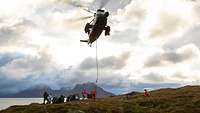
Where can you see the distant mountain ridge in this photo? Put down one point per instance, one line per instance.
(38, 90)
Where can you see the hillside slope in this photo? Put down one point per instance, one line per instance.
(180, 100)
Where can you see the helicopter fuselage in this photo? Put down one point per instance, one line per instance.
(97, 26)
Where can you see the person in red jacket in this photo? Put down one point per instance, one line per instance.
(94, 93)
(146, 93)
(83, 93)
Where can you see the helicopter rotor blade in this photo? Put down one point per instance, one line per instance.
(103, 3)
(82, 18)
(90, 11)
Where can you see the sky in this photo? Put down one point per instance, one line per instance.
(153, 44)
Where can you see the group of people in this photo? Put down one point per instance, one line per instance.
(48, 98)
(86, 94)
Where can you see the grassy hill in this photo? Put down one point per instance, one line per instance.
(180, 100)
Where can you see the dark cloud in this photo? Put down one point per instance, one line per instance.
(176, 57)
(18, 66)
(154, 60)
(111, 62)
(8, 57)
(160, 59)
(115, 62)
(88, 63)
(153, 78)
(55, 79)
(109, 81)
(18, 73)
(52, 78)
(33, 63)
(106, 79)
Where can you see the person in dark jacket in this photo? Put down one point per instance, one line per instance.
(45, 95)
(58, 100)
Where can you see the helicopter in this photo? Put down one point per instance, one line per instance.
(98, 24)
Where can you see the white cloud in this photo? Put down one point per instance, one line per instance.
(166, 20)
(158, 21)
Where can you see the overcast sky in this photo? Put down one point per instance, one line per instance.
(153, 43)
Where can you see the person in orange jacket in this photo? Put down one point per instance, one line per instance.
(146, 93)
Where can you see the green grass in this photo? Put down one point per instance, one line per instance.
(181, 100)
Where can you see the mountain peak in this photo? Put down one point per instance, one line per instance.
(41, 87)
(88, 85)
(38, 90)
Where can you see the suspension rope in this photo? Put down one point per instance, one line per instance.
(97, 65)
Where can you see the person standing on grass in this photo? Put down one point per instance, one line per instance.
(94, 94)
(146, 93)
(85, 92)
(82, 93)
(45, 95)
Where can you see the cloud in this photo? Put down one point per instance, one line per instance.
(182, 54)
(124, 36)
(111, 62)
(27, 71)
(190, 37)
(168, 24)
(133, 12)
(6, 58)
(19, 68)
(179, 76)
(28, 26)
(88, 63)
(153, 78)
(156, 25)
(168, 20)
(106, 79)
(12, 34)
